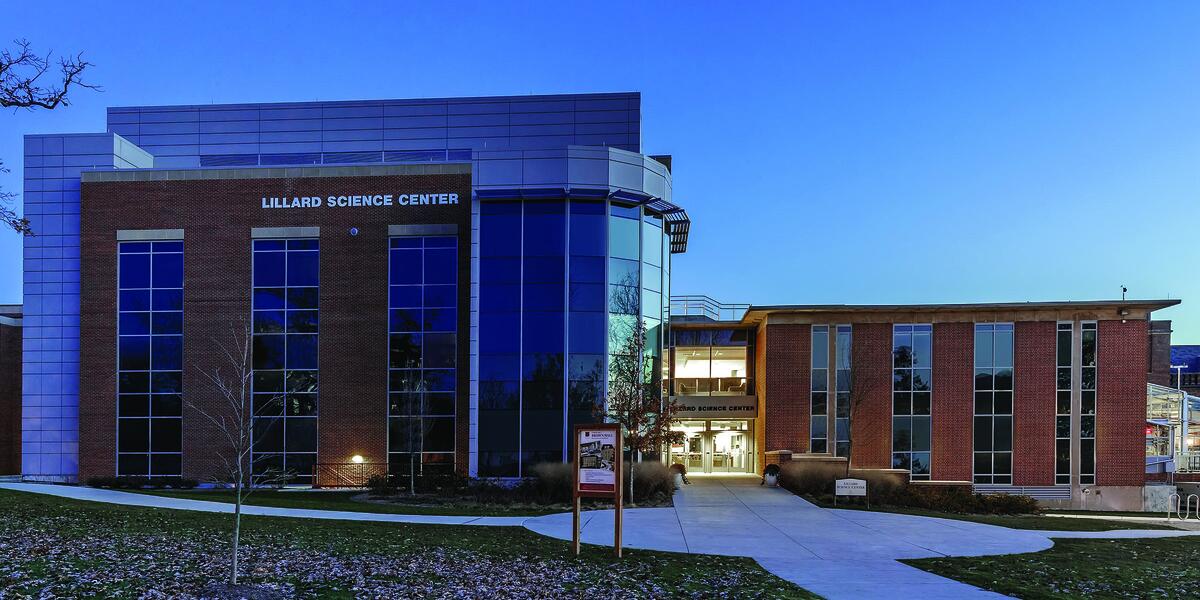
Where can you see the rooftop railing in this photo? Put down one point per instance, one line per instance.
(697, 307)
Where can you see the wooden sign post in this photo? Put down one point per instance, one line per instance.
(598, 454)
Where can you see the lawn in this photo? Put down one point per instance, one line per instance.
(54, 547)
(339, 500)
(1036, 522)
(1152, 568)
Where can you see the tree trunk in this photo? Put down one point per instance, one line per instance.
(632, 465)
(237, 532)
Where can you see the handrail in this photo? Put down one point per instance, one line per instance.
(699, 305)
(346, 475)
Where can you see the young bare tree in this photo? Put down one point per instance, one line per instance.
(635, 399)
(863, 387)
(22, 86)
(231, 416)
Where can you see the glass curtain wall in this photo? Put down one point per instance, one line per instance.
(711, 362)
(543, 332)
(564, 287)
(912, 398)
(285, 381)
(422, 353)
(149, 358)
(993, 403)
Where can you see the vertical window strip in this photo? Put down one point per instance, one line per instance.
(150, 358)
(845, 336)
(285, 382)
(422, 353)
(993, 421)
(912, 398)
(1087, 403)
(819, 390)
(1064, 384)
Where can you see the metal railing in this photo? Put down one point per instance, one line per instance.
(703, 307)
(1186, 380)
(346, 475)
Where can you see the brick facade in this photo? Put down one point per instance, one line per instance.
(787, 357)
(953, 401)
(1034, 401)
(217, 216)
(10, 399)
(1121, 402)
(871, 422)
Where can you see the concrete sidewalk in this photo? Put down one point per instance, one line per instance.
(834, 553)
(151, 501)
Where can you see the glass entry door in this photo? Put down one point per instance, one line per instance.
(714, 447)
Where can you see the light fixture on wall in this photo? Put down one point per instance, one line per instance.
(357, 459)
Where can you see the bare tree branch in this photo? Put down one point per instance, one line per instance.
(7, 215)
(21, 71)
(21, 86)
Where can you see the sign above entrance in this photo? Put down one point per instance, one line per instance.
(364, 200)
(716, 407)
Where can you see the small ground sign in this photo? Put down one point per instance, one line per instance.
(849, 487)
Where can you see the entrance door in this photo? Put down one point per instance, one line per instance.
(715, 447)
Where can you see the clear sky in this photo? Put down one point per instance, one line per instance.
(832, 152)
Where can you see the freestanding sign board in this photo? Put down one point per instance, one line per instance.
(598, 473)
(850, 487)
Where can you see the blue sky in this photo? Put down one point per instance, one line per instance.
(827, 153)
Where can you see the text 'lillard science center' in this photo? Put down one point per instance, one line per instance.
(448, 283)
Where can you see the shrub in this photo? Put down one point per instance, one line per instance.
(651, 481)
(813, 478)
(551, 483)
(678, 469)
(126, 482)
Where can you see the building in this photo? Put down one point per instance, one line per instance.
(10, 390)
(310, 220)
(1041, 398)
(449, 284)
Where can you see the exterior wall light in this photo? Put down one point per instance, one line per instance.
(357, 459)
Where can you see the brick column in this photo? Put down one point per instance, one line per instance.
(1121, 402)
(871, 424)
(1034, 358)
(953, 401)
(787, 360)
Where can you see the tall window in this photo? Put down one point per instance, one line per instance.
(500, 339)
(843, 383)
(149, 358)
(543, 332)
(819, 390)
(1087, 404)
(1062, 417)
(912, 398)
(422, 353)
(285, 356)
(993, 402)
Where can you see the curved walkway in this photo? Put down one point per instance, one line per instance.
(152, 501)
(834, 553)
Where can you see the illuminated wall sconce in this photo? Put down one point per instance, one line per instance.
(357, 459)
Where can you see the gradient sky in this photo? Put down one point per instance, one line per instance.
(861, 153)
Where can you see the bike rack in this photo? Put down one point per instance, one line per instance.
(1173, 505)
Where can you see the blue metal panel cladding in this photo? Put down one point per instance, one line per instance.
(535, 151)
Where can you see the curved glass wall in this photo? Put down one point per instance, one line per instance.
(563, 287)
